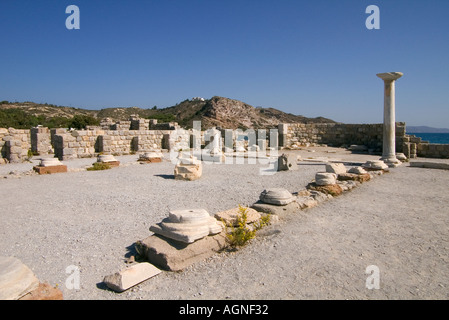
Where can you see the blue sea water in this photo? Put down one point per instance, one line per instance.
(432, 137)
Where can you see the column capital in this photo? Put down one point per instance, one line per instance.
(390, 76)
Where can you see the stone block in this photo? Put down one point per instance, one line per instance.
(188, 172)
(287, 162)
(336, 168)
(329, 189)
(131, 276)
(172, 255)
(16, 279)
(51, 169)
(354, 177)
(429, 165)
(325, 178)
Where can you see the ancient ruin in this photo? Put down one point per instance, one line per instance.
(187, 225)
(49, 166)
(389, 135)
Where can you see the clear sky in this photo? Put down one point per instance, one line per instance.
(311, 58)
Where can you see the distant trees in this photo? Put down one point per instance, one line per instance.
(82, 121)
(19, 119)
(162, 117)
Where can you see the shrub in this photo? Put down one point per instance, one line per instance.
(239, 235)
(99, 166)
(82, 121)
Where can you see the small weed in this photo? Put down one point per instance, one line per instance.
(239, 235)
(99, 166)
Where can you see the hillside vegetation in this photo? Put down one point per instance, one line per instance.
(215, 112)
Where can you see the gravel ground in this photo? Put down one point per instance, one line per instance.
(91, 219)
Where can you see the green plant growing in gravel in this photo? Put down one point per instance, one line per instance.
(239, 235)
(263, 222)
(99, 166)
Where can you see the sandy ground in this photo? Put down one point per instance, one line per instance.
(397, 222)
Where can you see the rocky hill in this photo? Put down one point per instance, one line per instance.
(215, 112)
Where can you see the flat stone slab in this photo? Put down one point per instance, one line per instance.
(332, 189)
(172, 255)
(354, 177)
(276, 209)
(112, 164)
(131, 276)
(430, 165)
(150, 160)
(16, 279)
(51, 169)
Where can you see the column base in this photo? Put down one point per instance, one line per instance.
(391, 162)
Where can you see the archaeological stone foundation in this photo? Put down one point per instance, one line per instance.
(142, 135)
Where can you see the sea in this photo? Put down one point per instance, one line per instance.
(440, 138)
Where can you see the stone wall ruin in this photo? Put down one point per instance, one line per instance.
(142, 135)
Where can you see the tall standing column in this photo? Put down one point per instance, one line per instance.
(389, 127)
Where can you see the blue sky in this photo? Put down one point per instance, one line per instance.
(311, 58)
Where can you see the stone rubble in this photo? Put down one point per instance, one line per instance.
(131, 276)
(336, 168)
(287, 162)
(188, 168)
(18, 282)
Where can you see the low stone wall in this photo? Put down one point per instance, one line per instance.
(130, 141)
(88, 143)
(431, 150)
(338, 134)
(15, 144)
(76, 144)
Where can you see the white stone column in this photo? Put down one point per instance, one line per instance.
(389, 127)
